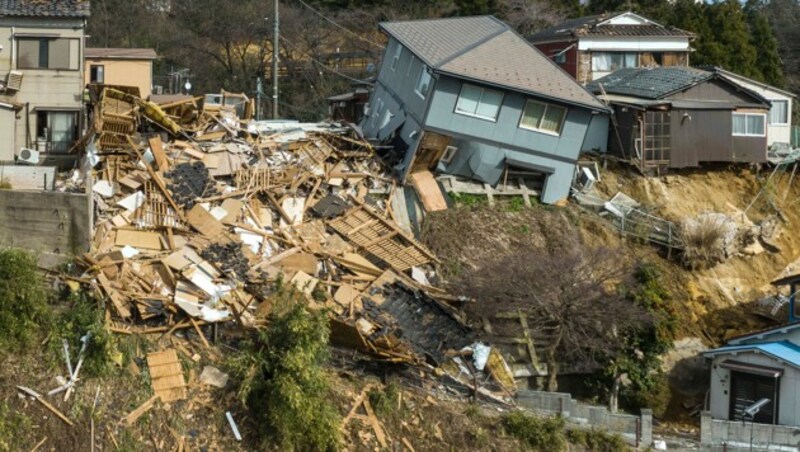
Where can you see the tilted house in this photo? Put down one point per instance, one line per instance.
(41, 75)
(470, 97)
(678, 117)
(592, 47)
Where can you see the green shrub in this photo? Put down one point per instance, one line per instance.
(283, 383)
(597, 440)
(84, 314)
(24, 299)
(545, 434)
(384, 401)
(13, 426)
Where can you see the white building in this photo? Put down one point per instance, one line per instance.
(779, 125)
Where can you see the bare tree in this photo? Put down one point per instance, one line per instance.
(572, 298)
(530, 16)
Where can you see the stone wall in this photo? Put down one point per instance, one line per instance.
(636, 430)
(53, 224)
(731, 436)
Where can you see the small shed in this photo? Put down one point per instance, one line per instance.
(679, 117)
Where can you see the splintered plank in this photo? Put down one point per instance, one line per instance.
(429, 192)
(166, 375)
(382, 240)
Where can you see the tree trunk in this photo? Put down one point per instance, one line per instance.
(613, 400)
(552, 370)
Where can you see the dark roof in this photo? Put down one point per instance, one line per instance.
(120, 53)
(45, 8)
(650, 83)
(736, 78)
(595, 26)
(484, 49)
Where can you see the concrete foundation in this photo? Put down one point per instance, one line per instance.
(718, 434)
(50, 223)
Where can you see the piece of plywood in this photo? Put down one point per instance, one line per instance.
(304, 262)
(166, 375)
(429, 191)
(205, 223)
(139, 239)
(157, 148)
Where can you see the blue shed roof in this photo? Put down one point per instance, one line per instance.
(784, 351)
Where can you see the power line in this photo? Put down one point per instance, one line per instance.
(339, 26)
(324, 66)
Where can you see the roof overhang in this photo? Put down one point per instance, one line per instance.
(748, 348)
(764, 371)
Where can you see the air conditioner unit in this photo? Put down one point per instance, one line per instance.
(28, 156)
(14, 81)
(158, 89)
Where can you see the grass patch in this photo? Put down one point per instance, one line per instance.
(5, 184)
(385, 400)
(703, 241)
(83, 317)
(597, 440)
(24, 308)
(13, 426)
(543, 434)
(468, 200)
(515, 204)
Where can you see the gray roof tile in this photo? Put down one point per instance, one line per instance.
(45, 8)
(650, 83)
(485, 49)
(591, 26)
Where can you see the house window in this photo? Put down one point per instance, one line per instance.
(749, 124)
(97, 73)
(779, 113)
(58, 129)
(747, 389)
(47, 53)
(396, 59)
(560, 57)
(449, 153)
(378, 112)
(543, 117)
(480, 102)
(423, 82)
(611, 61)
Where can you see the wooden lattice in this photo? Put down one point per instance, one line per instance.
(156, 211)
(382, 241)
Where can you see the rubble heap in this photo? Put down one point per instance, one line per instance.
(200, 212)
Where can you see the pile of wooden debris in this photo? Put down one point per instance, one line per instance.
(199, 212)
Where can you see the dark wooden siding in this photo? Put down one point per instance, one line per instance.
(551, 48)
(706, 136)
(716, 91)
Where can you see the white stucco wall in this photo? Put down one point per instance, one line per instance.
(776, 133)
(789, 406)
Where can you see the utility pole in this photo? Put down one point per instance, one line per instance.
(275, 51)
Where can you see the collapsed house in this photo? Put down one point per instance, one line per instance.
(470, 97)
(679, 117)
(202, 214)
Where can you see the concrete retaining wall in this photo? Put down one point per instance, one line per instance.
(718, 434)
(50, 223)
(636, 430)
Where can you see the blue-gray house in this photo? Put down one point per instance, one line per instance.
(470, 97)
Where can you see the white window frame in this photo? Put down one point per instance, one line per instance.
(379, 106)
(544, 113)
(396, 58)
(483, 91)
(788, 119)
(449, 153)
(423, 72)
(763, 115)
